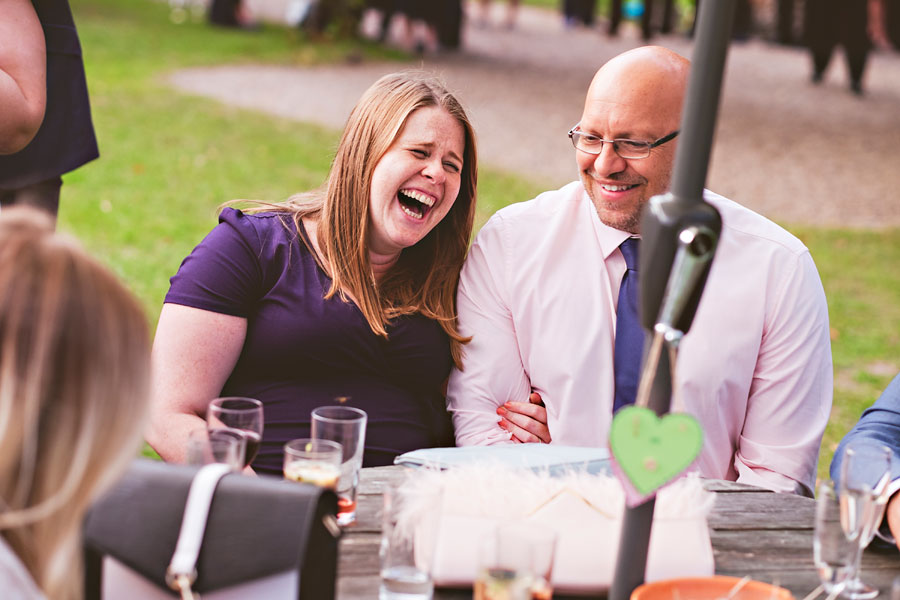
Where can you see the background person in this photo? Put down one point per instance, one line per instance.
(540, 296)
(74, 376)
(65, 139)
(23, 74)
(348, 291)
(852, 24)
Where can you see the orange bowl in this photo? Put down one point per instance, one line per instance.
(708, 588)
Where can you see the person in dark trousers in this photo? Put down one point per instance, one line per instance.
(892, 21)
(784, 23)
(829, 23)
(579, 11)
(230, 13)
(66, 139)
(647, 25)
(23, 75)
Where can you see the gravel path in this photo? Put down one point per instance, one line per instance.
(798, 153)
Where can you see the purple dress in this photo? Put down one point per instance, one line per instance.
(302, 351)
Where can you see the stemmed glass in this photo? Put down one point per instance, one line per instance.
(242, 414)
(222, 445)
(834, 553)
(865, 475)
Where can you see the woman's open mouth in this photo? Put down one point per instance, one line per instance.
(415, 203)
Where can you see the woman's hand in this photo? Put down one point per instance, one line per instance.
(526, 421)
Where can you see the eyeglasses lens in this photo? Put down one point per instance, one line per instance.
(624, 148)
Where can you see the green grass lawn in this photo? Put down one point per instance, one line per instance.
(169, 159)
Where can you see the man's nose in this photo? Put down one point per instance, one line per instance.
(608, 162)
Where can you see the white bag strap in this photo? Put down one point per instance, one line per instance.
(182, 571)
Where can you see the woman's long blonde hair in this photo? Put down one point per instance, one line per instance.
(425, 278)
(74, 373)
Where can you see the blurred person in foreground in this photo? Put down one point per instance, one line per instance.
(346, 292)
(74, 377)
(546, 289)
(31, 174)
(880, 424)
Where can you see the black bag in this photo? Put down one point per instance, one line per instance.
(261, 531)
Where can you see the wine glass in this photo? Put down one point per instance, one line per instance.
(865, 475)
(834, 553)
(243, 414)
(226, 446)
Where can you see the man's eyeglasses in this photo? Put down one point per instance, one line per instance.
(632, 149)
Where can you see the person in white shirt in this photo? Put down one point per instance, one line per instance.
(538, 294)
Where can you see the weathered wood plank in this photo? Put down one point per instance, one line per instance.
(719, 485)
(761, 510)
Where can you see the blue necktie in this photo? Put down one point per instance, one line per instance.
(629, 333)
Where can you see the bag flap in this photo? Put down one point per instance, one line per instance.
(257, 526)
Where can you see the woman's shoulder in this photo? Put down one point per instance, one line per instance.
(257, 221)
(263, 232)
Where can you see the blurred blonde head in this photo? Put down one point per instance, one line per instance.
(425, 277)
(74, 372)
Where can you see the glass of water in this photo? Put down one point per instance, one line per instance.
(405, 565)
(834, 552)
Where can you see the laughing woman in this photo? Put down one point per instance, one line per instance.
(345, 292)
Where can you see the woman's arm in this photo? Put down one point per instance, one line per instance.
(23, 74)
(194, 352)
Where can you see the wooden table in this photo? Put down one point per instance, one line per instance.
(753, 531)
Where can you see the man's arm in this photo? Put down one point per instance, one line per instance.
(493, 372)
(790, 395)
(23, 68)
(880, 424)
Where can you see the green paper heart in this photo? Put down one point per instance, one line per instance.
(651, 451)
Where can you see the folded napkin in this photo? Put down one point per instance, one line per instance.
(555, 459)
(451, 512)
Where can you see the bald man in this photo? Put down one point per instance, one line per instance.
(539, 294)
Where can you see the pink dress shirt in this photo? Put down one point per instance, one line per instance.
(538, 296)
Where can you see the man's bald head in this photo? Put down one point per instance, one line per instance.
(650, 77)
(637, 95)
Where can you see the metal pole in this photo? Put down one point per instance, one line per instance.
(664, 219)
(698, 117)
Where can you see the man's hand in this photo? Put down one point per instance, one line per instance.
(893, 517)
(526, 421)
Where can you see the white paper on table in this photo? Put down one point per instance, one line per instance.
(585, 510)
(530, 456)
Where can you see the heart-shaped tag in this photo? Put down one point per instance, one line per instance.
(650, 451)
